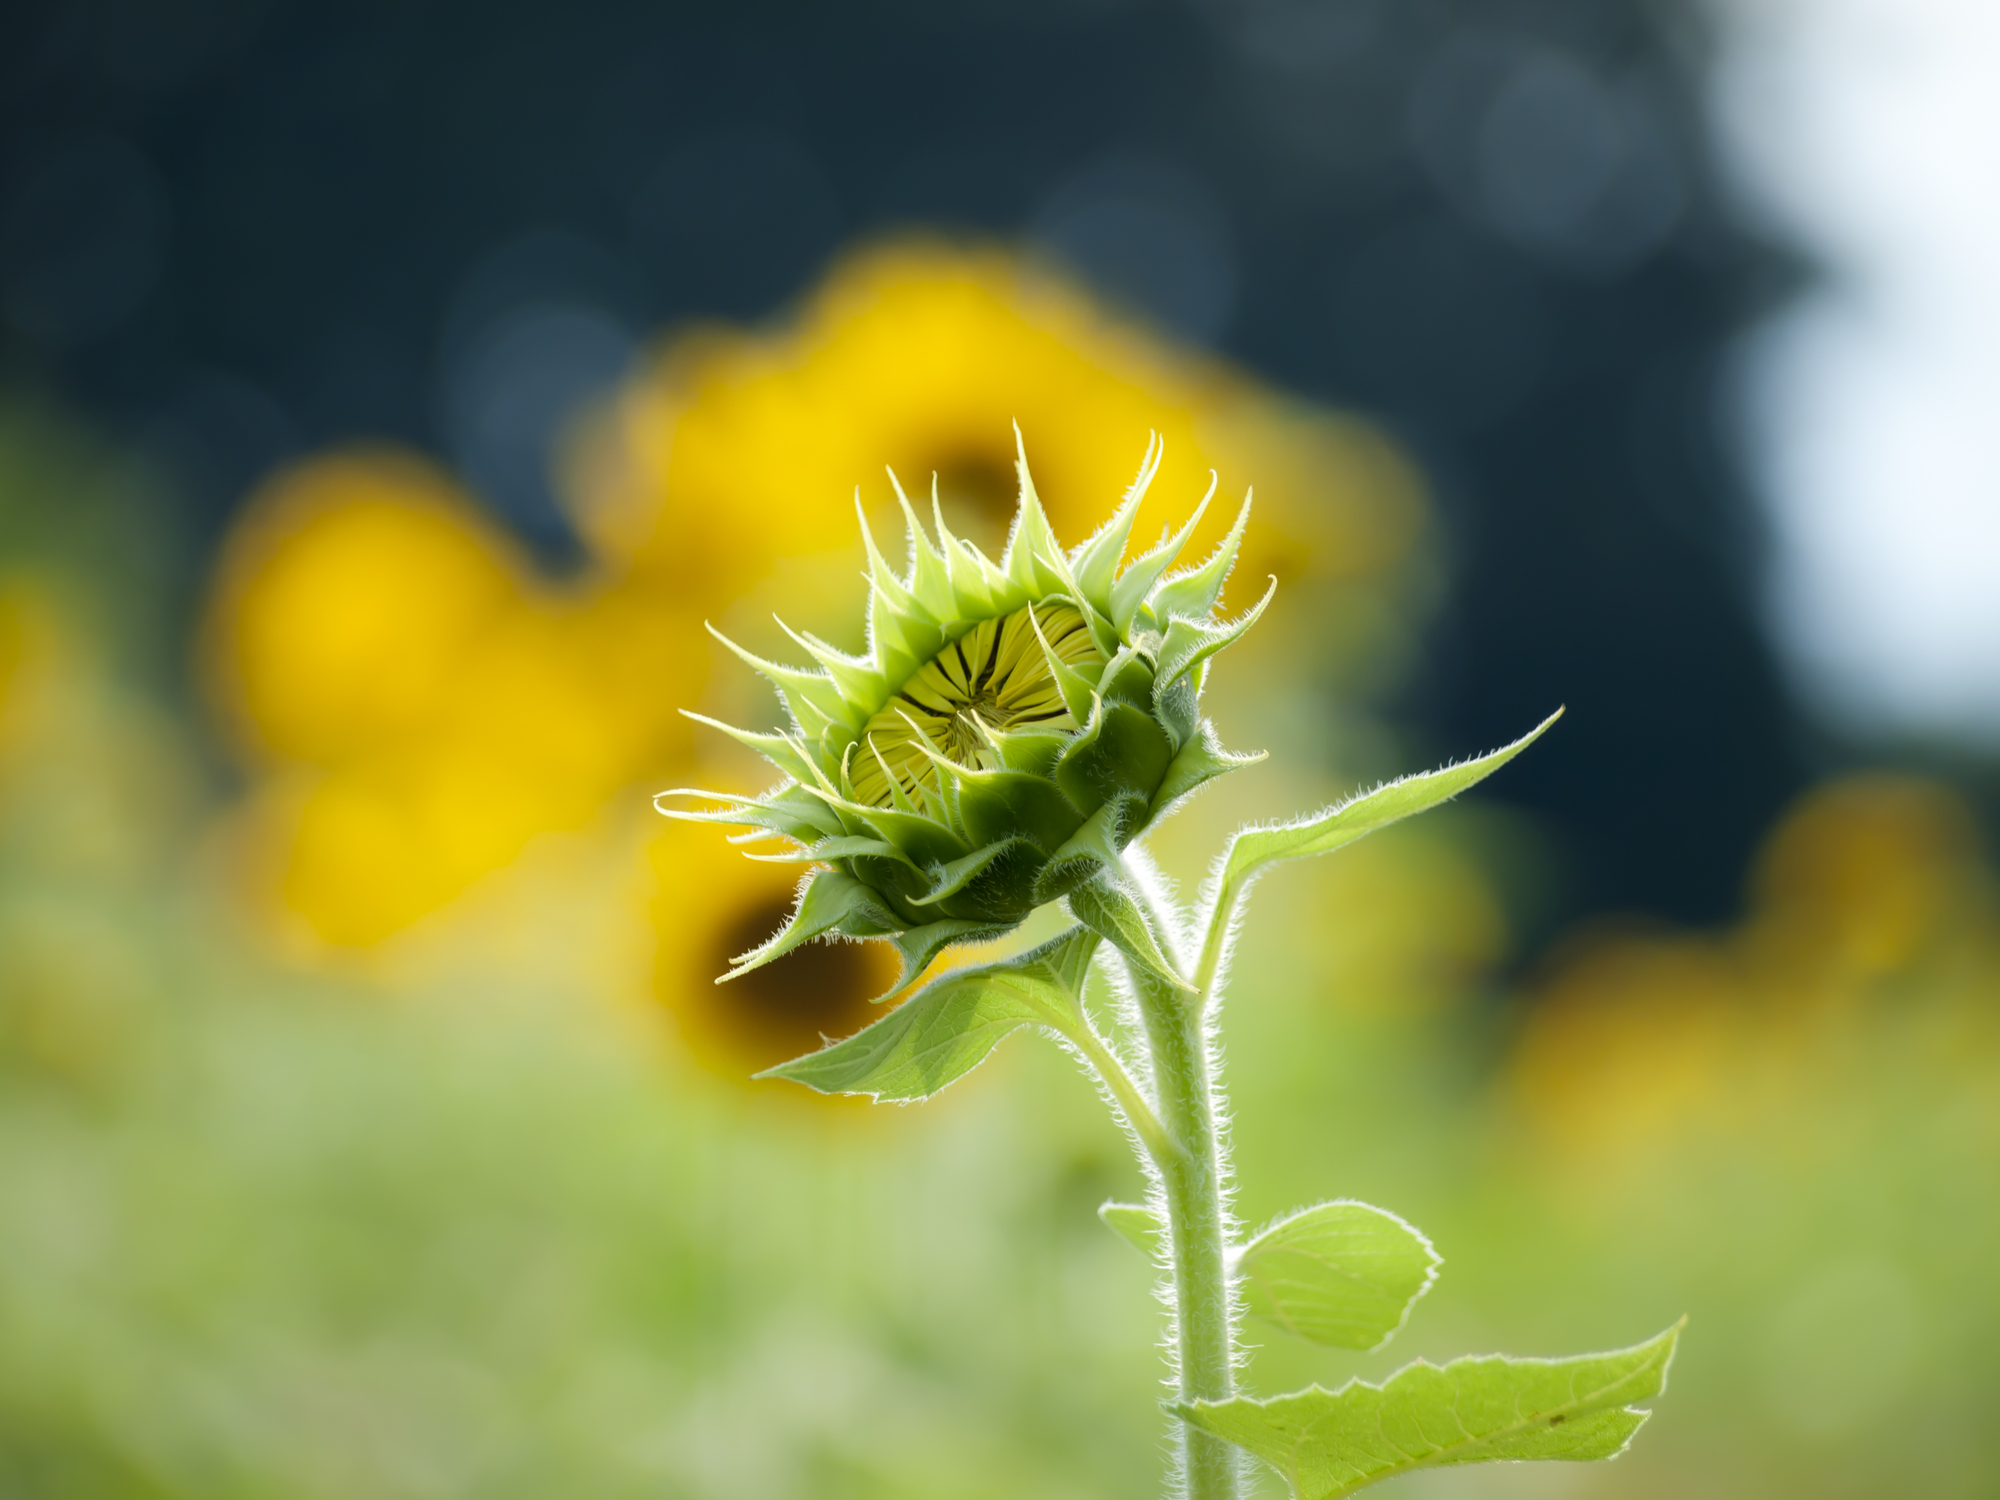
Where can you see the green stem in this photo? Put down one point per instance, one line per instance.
(1194, 1179)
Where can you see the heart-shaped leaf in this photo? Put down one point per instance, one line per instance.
(1342, 1274)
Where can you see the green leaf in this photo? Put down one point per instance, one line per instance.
(1255, 848)
(1134, 1223)
(1342, 1274)
(947, 1028)
(1110, 910)
(1331, 1443)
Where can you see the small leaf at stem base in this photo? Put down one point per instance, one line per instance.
(1134, 1223)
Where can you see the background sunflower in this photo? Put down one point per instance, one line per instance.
(711, 904)
(919, 357)
(415, 701)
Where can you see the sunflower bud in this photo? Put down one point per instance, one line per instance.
(1010, 729)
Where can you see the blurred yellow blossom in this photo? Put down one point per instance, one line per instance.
(1871, 911)
(22, 645)
(714, 904)
(1867, 876)
(1630, 1039)
(920, 356)
(425, 704)
(350, 593)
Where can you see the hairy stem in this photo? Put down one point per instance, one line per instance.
(1194, 1179)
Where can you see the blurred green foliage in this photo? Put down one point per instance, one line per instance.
(268, 1234)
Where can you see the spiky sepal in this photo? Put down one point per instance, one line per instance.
(1011, 727)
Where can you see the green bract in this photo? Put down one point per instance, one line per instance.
(1010, 729)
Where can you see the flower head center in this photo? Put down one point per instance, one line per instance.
(993, 678)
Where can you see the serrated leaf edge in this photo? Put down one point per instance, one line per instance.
(1192, 1411)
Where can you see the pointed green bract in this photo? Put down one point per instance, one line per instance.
(827, 903)
(947, 1028)
(1340, 1274)
(1012, 726)
(1198, 762)
(1095, 847)
(1331, 1443)
(1095, 564)
(916, 947)
(1189, 643)
(1193, 594)
(1108, 907)
(1134, 586)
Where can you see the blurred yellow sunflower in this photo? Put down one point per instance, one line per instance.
(421, 704)
(1870, 906)
(1865, 877)
(1631, 1041)
(347, 596)
(711, 904)
(24, 647)
(734, 452)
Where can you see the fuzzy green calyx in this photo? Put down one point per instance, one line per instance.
(1011, 727)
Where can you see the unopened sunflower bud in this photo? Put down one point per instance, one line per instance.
(1011, 728)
